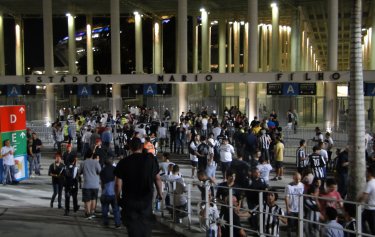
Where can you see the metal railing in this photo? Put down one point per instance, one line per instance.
(198, 222)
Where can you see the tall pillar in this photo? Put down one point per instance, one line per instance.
(2, 55)
(89, 51)
(195, 45)
(157, 55)
(222, 31)
(295, 54)
(275, 59)
(115, 55)
(49, 64)
(182, 54)
(205, 46)
(236, 46)
(19, 47)
(71, 44)
(330, 88)
(372, 48)
(138, 43)
(252, 14)
(246, 48)
(229, 55)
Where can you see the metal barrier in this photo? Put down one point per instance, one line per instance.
(197, 221)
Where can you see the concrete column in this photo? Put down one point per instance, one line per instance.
(71, 44)
(205, 46)
(252, 14)
(229, 46)
(19, 47)
(372, 49)
(246, 48)
(275, 59)
(182, 54)
(222, 42)
(89, 51)
(115, 55)
(236, 46)
(138, 43)
(157, 38)
(195, 44)
(295, 54)
(182, 36)
(49, 64)
(2, 55)
(330, 88)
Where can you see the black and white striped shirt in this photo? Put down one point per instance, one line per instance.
(312, 213)
(317, 164)
(300, 154)
(271, 219)
(264, 141)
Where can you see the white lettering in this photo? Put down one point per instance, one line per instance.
(150, 90)
(13, 118)
(84, 91)
(14, 91)
(14, 135)
(290, 89)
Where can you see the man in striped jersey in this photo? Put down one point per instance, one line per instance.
(272, 216)
(301, 158)
(264, 144)
(317, 164)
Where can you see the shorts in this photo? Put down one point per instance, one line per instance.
(194, 163)
(89, 194)
(278, 164)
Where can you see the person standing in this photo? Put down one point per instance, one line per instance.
(135, 177)
(37, 145)
(7, 153)
(292, 192)
(301, 157)
(56, 170)
(90, 168)
(71, 184)
(317, 164)
(226, 155)
(279, 158)
(368, 197)
(108, 197)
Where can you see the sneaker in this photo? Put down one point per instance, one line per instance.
(76, 208)
(280, 178)
(92, 216)
(275, 179)
(118, 227)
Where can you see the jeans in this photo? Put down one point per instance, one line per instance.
(138, 218)
(106, 201)
(37, 158)
(8, 174)
(57, 191)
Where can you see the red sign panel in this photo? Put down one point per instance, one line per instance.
(13, 118)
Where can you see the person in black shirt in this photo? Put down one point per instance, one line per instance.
(56, 170)
(172, 137)
(342, 166)
(134, 182)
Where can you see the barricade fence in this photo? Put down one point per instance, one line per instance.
(199, 217)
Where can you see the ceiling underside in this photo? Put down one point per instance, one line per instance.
(314, 14)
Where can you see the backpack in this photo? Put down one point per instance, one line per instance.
(202, 160)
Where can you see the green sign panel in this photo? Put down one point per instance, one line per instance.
(17, 139)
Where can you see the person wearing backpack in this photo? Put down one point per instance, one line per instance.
(71, 184)
(56, 172)
(203, 150)
(193, 152)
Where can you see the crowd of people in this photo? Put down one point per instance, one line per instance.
(246, 152)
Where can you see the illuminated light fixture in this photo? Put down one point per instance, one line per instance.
(230, 23)
(242, 23)
(202, 10)
(68, 14)
(136, 13)
(214, 22)
(273, 4)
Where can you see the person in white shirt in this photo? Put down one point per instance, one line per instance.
(7, 153)
(226, 155)
(193, 152)
(264, 168)
(216, 130)
(368, 197)
(141, 132)
(162, 136)
(204, 125)
(292, 193)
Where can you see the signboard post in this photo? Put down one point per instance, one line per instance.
(13, 127)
